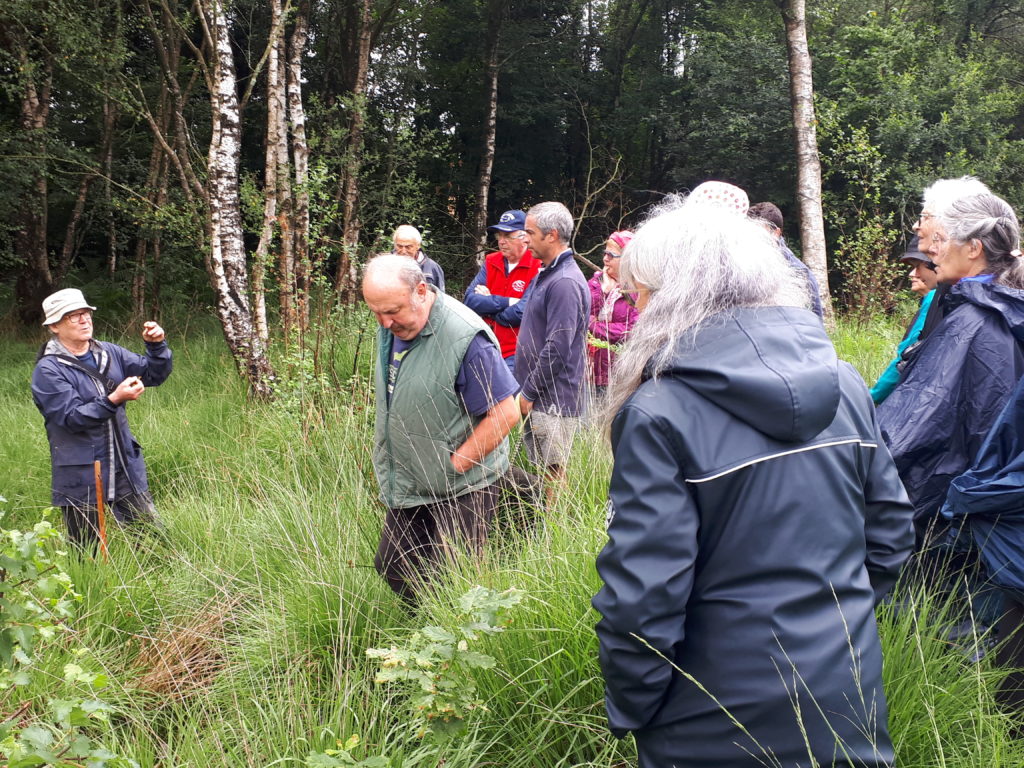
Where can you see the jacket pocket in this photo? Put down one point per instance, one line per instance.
(71, 455)
(75, 481)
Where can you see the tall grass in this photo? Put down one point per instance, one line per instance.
(239, 637)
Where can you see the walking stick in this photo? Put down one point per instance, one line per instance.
(100, 514)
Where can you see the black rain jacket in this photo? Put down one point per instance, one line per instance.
(951, 390)
(755, 520)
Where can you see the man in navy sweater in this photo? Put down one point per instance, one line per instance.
(551, 353)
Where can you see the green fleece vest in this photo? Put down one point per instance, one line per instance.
(425, 422)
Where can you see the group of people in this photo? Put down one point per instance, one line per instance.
(760, 506)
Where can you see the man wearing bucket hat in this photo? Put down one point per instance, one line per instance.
(497, 292)
(923, 281)
(80, 386)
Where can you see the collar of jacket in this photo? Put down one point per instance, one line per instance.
(559, 263)
(1002, 300)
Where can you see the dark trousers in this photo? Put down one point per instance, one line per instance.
(82, 522)
(1011, 654)
(417, 540)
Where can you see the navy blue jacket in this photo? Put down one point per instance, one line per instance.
(755, 520)
(83, 426)
(953, 385)
(805, 272)
(551, 353)
(432, 271)
(988, 499)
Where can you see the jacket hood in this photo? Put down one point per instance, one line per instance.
(1007, 302)
(773, 368)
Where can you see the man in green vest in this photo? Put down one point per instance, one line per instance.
(445, 405)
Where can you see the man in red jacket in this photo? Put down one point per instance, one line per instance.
(498, 292)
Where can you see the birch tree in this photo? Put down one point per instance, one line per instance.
(227, 267)
(801, 89)
(491, 68)
(300, 163)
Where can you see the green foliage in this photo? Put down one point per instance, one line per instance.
(331, 758)
(36, 602)
(439, 662)
(869, 276)
(36, 597)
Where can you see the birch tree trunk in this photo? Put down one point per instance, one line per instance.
(801, 90)
(227, 267)
(274, 104)
(300, 162)
(345, 278)
(494, 8)
(283, 176)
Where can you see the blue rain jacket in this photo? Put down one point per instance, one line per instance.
(954, 384)
(83, 426)
(988, 499)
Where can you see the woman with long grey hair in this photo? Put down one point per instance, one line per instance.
(954, 383)
(754, 520)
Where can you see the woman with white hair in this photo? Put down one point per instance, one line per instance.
(954, 383)
(755, 517)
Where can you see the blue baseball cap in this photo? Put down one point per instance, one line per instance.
(510, 221)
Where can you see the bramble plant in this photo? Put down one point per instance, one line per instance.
(439, 661)
(36, 599)
(342, 756)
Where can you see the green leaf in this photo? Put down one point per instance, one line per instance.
(320, 760)
(438, 635)
(478, 660)
(37, 737)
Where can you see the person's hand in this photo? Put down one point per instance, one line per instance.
(461, 463)
(129, 389)
(525, 406)
(482, 290)
(152, 332)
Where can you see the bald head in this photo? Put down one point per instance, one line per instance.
(390, 268)
(396, 292)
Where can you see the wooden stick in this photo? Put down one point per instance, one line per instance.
(100, 512)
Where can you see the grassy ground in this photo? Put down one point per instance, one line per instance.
(240, 639)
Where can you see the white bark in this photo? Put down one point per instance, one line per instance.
(300, 162)
(490, 128)
(801, 88)
(228, 274)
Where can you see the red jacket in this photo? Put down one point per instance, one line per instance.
(494, 308)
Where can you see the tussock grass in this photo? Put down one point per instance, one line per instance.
(239, 636)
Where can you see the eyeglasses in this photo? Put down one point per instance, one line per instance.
(499, 235)
(611, 255)
(79, 317)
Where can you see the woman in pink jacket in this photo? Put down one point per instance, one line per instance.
(612, 313)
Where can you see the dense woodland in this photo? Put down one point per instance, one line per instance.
(248, 155)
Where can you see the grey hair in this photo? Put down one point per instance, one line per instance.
(551, 215)
(697, 261)
(991, 221)
(390, 267)
(941, 194)
(408, 230)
